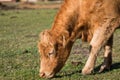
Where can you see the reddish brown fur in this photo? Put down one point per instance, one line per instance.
(91, 20)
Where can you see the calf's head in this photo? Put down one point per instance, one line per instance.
(53, 54)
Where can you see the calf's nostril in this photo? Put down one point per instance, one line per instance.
(42, 74)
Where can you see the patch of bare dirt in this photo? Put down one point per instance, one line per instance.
(28, 6)
(36, 6)
(7, 6)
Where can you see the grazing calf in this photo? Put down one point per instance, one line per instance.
(93, 21)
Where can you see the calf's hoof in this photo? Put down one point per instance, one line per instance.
(104, 67)
(87, 71)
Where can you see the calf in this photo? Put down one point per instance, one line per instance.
(93, 21)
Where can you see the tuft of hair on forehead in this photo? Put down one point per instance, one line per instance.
(46, 37)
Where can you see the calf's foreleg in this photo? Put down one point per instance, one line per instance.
(100, 37)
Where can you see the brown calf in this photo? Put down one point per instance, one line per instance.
(93, 21)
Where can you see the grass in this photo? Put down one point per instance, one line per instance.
(19, 58)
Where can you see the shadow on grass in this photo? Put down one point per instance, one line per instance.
(67, 74)
(113, 66)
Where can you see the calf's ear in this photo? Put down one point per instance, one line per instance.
(64, 41)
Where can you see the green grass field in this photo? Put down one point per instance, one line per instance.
(19, 58)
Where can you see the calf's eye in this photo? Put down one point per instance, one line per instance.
(50, 54)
